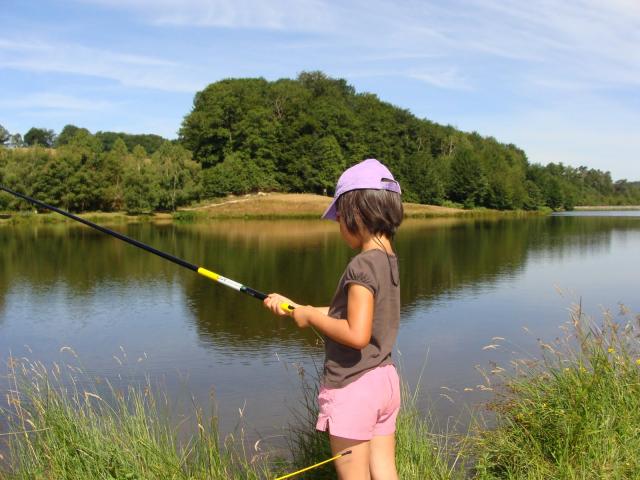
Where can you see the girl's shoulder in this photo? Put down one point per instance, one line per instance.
(367, 267)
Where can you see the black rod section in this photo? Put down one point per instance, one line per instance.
(120, 236)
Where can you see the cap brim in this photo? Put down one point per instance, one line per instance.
(330, 212)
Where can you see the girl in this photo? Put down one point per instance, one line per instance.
(359, 397)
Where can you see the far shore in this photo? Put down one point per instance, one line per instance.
(607, 207)
(254, 206)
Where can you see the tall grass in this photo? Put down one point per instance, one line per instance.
(66, 426)
(574, 414)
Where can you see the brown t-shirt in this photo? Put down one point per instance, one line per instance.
(378, 272)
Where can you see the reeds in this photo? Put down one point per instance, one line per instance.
(573, 413)
(65, 425)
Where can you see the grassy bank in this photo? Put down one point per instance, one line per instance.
(255, 206)
(573, 413)
(65, 425)
(304, 205)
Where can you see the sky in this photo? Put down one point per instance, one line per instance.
(560, 79)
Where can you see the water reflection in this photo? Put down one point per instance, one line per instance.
(463, 282)
(302, 259)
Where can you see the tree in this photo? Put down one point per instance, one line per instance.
(237, 174)
(67, 133)
(114, 163)
(218, 125)
(16, 141)
(149, 142)
(39, 136)
(468, 183)
(301, 133)
(4, 136)
(178, 176)
(324, 166)
(84, 182)
(141, 190)
(425, 179)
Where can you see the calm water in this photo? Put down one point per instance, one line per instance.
(463, 282)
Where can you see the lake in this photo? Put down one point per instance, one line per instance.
(129, 315)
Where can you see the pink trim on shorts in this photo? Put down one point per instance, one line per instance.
(363, 409)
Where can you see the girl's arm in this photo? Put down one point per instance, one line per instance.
(354, 331)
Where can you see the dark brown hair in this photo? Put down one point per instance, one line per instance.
(377, 211)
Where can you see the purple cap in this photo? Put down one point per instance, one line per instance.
(368, 174)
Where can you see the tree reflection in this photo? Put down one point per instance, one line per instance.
(300, 259)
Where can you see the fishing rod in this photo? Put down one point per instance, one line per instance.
(183, 263)
(167, 256)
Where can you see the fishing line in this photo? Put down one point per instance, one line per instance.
(306, 469)
(167, 256)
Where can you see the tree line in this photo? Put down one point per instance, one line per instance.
(292, 135)
(82, 175)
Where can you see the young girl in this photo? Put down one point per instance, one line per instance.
(359, 397)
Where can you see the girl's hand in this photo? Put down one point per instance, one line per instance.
(273, 302)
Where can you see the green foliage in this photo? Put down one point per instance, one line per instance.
(67, 133)
(297, 135)
(237, 174)
(468, 184)
(178, 176)
(39, 136)
(149, 142)
(558, 185)
(85, 430)
(576, 414)
(80, 176)
(626, 193)
(4, 136)
(141, 191)
(425, 179)
(303, 132)
(324, 166)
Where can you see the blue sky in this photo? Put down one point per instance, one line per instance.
(560, 79)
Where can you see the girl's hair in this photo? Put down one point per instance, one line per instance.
(377, 211)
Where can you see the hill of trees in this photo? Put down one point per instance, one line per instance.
(245, 135)
(81, 175)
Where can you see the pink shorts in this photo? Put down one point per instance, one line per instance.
(363, 409)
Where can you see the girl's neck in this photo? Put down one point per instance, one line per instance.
(376, 242)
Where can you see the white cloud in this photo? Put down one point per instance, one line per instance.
(128, 69)
(581, 40)
(447, 78)
(54, 101)
(297, 15)
(557, 64)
